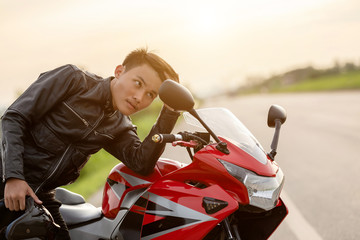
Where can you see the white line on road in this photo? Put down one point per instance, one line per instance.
(297, 223)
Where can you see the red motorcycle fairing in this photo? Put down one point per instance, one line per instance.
(206, 168)
(167, 207)
(172, 200)
(171, 209)
(122, 180)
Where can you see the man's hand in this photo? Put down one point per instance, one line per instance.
(15, 192)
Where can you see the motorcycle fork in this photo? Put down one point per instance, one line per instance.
(231, 234)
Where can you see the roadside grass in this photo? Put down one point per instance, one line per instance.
(93, 175)
(344, 81)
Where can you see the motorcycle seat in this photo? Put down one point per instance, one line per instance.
(74, 209)
(67, 197)
(80, 213)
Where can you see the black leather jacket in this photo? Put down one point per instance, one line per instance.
(50, 131)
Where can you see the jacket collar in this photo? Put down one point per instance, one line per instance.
(108, 105)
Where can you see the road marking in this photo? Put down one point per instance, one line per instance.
(297, 223)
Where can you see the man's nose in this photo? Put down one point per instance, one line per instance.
(138, 96)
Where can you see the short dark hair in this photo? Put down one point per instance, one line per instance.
(142, 56)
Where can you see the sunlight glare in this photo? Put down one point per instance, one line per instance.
(207, 21)
(214, 17)
(205, 18)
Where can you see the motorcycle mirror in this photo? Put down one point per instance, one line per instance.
(180, 98)
(176, 96)
(276, 112)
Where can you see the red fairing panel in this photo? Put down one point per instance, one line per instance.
(205, 168)
(175, 209)
(121, 180)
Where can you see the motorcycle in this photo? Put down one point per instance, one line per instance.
(230, 190)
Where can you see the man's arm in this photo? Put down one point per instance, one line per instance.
(140, 156)
(16, 188)
(49, 89)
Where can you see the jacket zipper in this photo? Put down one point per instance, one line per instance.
(112, 114)
(68, 147)
(66, 150)
(56, 167)
(104, 134)
(72, 110)
(97, 123)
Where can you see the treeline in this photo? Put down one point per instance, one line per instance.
(297, 76)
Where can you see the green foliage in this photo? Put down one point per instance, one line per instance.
(343, 81)
(338, 77)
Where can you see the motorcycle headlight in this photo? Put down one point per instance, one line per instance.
(263, 191)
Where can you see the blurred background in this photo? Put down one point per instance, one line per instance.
(214, 45)
(243, 55)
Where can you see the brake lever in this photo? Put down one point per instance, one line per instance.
(191, 144)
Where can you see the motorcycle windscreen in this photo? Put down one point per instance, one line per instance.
(225, 124)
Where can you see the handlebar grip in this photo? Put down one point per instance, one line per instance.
(167, 138)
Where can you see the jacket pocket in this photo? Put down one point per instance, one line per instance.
(72, 169)
(78, 160)
(69, 169)
(46, 139)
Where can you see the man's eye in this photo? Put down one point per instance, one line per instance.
(151, 95)
(137, 83)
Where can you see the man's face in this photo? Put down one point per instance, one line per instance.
(135, 89)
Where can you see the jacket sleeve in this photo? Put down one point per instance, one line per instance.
(141, 157)
(49, 89)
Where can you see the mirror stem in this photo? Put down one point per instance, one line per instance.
(196, 115)
(275, 140)
(221, 146)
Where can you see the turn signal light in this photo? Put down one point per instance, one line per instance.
(212, 205)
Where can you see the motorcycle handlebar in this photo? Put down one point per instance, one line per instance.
(167, 138)
(181, 136)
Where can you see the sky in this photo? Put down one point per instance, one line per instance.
(213, 45)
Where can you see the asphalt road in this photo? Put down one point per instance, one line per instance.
(319, 154)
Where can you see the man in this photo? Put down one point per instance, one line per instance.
(66, 115)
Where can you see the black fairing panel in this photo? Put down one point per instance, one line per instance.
(132, 224)
(260, 225)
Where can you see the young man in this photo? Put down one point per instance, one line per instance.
(50, 131)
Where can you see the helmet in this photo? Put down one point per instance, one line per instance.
(35, 222)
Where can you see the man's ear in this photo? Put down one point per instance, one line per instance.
(118, 70)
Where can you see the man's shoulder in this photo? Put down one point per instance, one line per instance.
(69, 67)
(64, 70)
(83, 71)
(76, 74)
